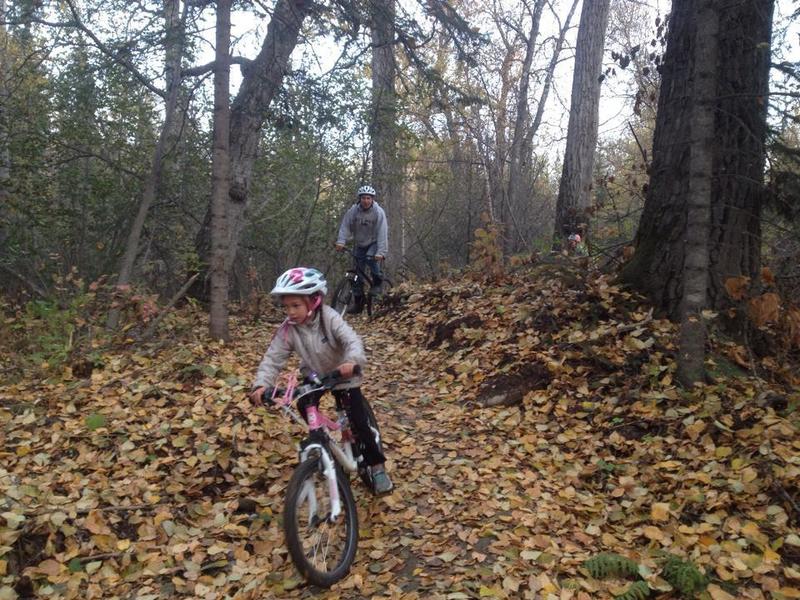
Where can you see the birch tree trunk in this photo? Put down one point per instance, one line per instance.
(574, 191)
(172, 71)
(691, 355)
(262, 79)
(220, 174)
(519, 148)
(385, 171)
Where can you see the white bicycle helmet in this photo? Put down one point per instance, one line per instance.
(366, 190)
(300, 281)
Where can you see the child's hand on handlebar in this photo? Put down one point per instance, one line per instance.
(257, 396)
(347, 369)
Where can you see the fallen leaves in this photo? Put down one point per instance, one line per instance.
(135, 478)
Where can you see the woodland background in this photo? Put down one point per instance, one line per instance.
(161, 162)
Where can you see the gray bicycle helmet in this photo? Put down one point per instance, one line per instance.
(300, 281)
(367, 190)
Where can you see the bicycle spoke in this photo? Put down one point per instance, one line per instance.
(322, 550)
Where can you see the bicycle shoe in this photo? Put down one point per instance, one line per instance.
(381, 484)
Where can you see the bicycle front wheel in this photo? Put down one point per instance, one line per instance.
(321, 549)
(343, 296)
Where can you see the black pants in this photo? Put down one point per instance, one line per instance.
(355, 404)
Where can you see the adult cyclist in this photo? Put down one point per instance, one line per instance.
(365, 223)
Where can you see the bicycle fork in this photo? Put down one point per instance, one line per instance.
(325, 451)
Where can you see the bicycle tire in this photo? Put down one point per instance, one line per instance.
(378, 304)
(343, 296)
(312, 560)
(363, 470)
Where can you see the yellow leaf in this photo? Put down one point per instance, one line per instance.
(723, 451)
(96, 524)
(751, 531)
(771, 556)
(789, 592)
(653, 533)
(717, 593)
(659, 511)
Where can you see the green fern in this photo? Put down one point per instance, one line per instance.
(684, 577)
(608, 564)
(639, 590)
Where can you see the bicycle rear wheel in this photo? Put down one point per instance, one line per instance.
(343, 296)
(322, 551)
(379, 303)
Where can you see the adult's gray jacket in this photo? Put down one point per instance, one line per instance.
(321, 349)
(365, 227)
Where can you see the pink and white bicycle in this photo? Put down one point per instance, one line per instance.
(320, 519)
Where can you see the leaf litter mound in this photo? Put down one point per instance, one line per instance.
(530, 425)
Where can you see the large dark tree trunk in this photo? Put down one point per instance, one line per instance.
(737, 188)
(383, 131)
(692, 346)
(220, 176)
(262, 79)
(574, 191)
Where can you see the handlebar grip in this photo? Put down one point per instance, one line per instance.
(270, 394)
(337, 374)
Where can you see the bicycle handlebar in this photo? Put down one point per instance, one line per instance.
(353, 254)
(276, 395)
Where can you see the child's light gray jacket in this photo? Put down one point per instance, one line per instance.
(321, 349)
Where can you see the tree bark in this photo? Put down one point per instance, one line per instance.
(656, 268)
(5, 156)
(261, 81)
(383, 128)
(172, 70)
(692, 344)
(574, 191)
(519, 148)
(220, 174)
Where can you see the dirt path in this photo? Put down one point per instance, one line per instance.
(457, 524)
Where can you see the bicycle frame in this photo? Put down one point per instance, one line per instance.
(319, 439)
(356, 271)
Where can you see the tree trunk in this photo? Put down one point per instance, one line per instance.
(656, 268)
(551, 69)
(692, 345)
(519, 148)
(5, 159)
(220, 176)
(574, 191)
(172, 70)
(385, 172)
(261, 81)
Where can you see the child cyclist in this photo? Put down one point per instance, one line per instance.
(324, 342)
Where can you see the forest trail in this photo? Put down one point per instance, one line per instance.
(149, 475)
(461, 521)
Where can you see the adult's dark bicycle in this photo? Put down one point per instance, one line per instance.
(345, 294)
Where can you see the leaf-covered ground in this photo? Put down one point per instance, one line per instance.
(528, 428)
